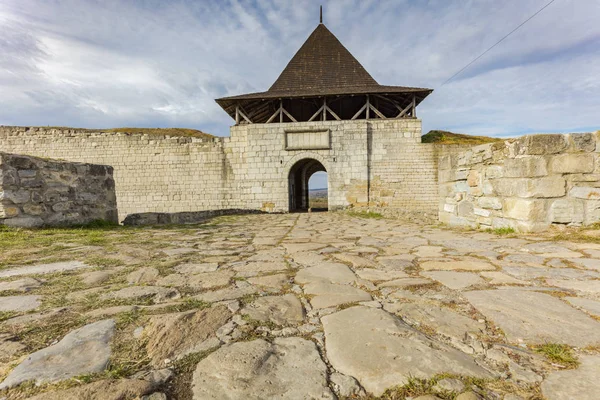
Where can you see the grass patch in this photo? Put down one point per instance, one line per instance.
(558, 353)
(188, 363)
(445, 137)
(4, 315)
(188, 304)
(365, 214)
(502, 231)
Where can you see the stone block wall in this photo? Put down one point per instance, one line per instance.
(526, 184)
(376, 164)
(362, 157)
(152, 173)
(38, 192)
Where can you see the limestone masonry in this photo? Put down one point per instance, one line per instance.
(36, 192)
(526, 184)
(250, 169)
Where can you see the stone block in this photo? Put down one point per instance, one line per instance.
(584, 142)
(525, 209)
(487, 188)
(461, 186)
(493, 203)
(17, 196)
(592, 212)
(465, 208)
(494, 172)
(543, 144)
(33, 209)
(547, 187)
(525, 167)
(572, 163)
(450, 208)
(481, 212)
(9, 211)
(566, 211)
(585, 192)
(24, 222)
(473, 178)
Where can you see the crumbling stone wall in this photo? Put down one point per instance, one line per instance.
(526, 184)
(37, 192)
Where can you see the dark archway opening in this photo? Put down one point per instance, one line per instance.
(299, 193)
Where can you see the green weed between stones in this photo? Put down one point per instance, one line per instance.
(365, 214)
(558, 353)
(502, 231)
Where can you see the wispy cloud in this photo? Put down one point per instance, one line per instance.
(162, 63)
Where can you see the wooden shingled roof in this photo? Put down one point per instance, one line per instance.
(324, 67)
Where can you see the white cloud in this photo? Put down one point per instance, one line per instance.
(115, 63)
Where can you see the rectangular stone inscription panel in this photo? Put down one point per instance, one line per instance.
(307, 139)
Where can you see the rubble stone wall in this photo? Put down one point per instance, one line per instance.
(36, 192)
(526, 184)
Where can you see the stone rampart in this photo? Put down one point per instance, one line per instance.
(36, 192)
(152, 173)
(376, 164)
(526, 184)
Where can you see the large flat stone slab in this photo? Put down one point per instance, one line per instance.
(298, 247)
(535, 317)
(19, 303)
(500, 278)
(441, 319)
(590, 306)
(259, 267)
(378, 275)
(528, 273)
(465, 265)
(20, 285)
(455, 280)
(328, 272)
(582, 383)
(331, 294)
(288, 368)
(83, 351)
(226, 294)
(104, 390)
(276, 281)
(589, 286)
(43, 268)
(280, 310)
(355, 261)
(173, 336)
(381, 351)
(405, 282)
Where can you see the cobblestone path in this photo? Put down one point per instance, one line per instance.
(298, 306)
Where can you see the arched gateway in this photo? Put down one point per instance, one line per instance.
(299, 176)
(325, 112)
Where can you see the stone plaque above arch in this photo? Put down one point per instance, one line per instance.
(307, 139)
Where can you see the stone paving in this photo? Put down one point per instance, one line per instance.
(301, 306)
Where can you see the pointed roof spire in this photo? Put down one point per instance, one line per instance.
(322, 63)
(321, 16)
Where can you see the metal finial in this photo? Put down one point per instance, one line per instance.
(321, 16)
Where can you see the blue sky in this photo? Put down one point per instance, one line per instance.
(162, 63)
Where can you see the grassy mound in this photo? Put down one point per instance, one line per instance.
(445, 137)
